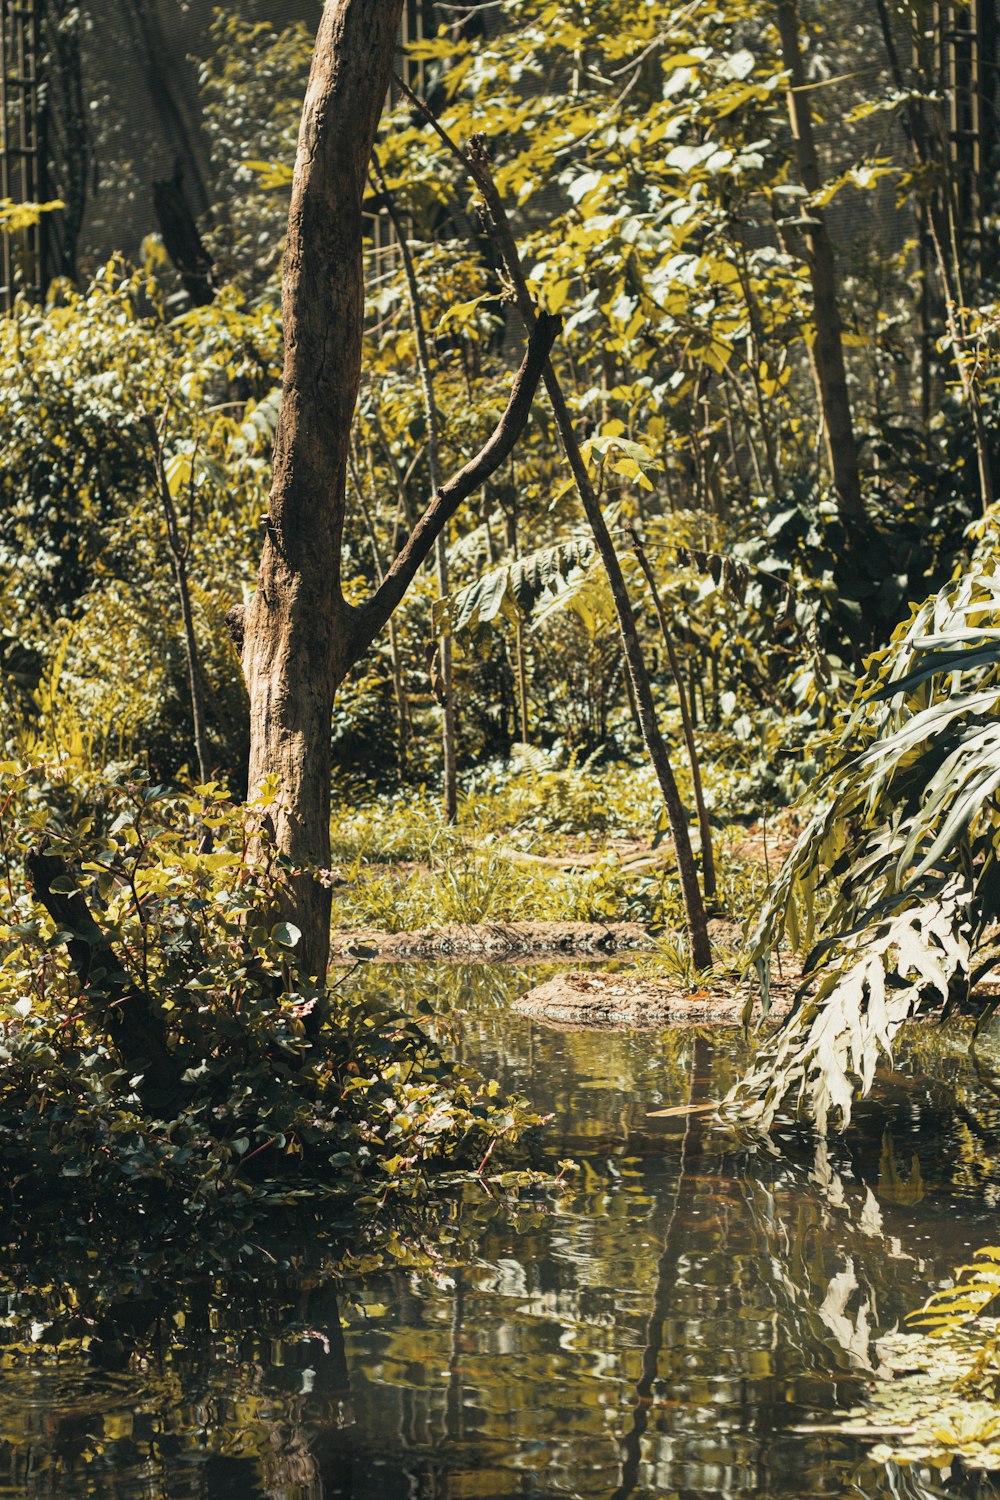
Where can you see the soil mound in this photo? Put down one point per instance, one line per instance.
(577, 1000)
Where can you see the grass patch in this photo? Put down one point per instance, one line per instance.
(533, 842)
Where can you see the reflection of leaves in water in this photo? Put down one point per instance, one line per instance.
(890, 1480)
(217, 1373)
(591, 1081)
(892, 1186)
(769, 1275)
(149, 1347)
(824, 1293)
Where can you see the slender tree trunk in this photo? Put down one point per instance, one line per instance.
(694, 905)
(704, 824)
(449, 724)
(755, 355)
(178, 548)
(510, 524)
(395, 662)
(940, 222)
(522, 680)
(827, 349)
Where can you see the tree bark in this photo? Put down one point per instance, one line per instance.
(295, 642)
(827, 350)
(299, 636)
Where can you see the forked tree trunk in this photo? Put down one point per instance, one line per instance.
(298, 637)
(295, 646)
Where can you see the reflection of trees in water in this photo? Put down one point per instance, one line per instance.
(226, 1389)
(769, 1281)
(784, 1282)
(816, 1294)
(664, 1327)
(596, 1084)
(701, 1085)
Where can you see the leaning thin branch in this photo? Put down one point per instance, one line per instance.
(498, 227)
(179, 550)
(134, 1025)
(371, 617)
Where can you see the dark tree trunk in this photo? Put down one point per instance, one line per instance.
(182, 239)
(827, 350)
(134, 1025)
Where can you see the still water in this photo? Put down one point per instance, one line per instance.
(671, 1324)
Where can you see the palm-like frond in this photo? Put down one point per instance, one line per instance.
(894, 885)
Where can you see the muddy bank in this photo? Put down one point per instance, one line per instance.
(577, 1000)
(494, 940)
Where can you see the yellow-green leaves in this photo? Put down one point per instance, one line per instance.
(18, 216)
(976, 1287)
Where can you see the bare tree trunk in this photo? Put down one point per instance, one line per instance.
(755, 352)
(395, 661)
(449, 725)
(694, 905)
(709, 879)
(510, 526)
(295, 647)
(827, 350)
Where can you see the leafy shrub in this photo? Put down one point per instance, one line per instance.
(256, 1111)
(82, 534)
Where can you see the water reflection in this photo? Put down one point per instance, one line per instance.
(677, 1323)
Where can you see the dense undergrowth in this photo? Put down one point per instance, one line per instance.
(537, 840)
(659, 198)
(260, 1116)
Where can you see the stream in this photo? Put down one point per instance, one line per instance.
(676, 1321)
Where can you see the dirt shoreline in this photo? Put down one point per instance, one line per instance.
(494, 940)
(575, 999)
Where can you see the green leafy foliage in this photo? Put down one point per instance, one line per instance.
(514, 588)
(976, 1286)
(260, 1117)
(902, 854)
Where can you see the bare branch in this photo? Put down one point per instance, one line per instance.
(370, 618)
